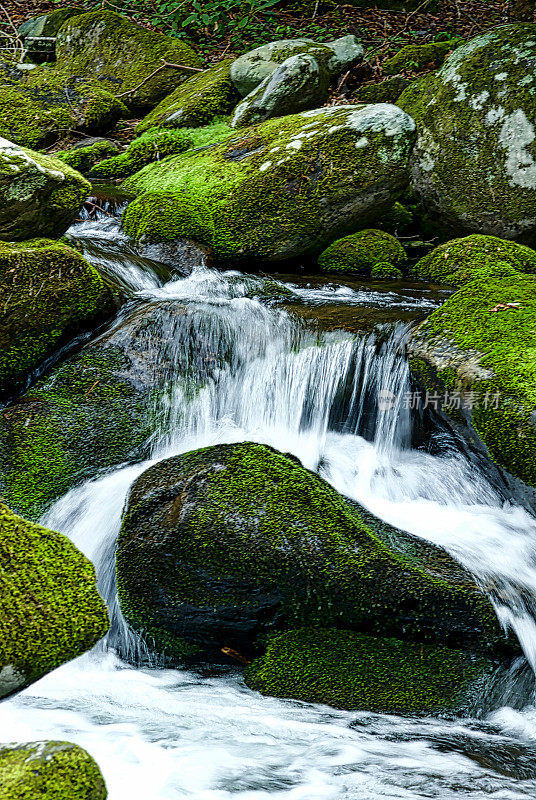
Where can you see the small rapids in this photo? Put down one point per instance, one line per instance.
(339, 402)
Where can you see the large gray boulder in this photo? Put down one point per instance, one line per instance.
(298, 84)
(281, 189)
(251, 69)
(39, 196)
(474, 164)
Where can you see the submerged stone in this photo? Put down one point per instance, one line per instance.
(50, 609)
(297, 85)
(289, 186)
(49, 770)
(223, 544)
(48, 293)
(473, 166)
(121, 55)
(352, 671)
(39, 196)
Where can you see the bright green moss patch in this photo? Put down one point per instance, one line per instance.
(360, 252)
(154, 145)
(198, 101)
(476, 257)
(351, 671)
(49, 770)
(84, 158)
(493, 354)
(121, 55)
(385, 271)
(166, 216)
(415, 57)
(228, 542)
(50, 610)
(48, 292)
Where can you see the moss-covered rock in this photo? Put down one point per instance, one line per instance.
(386, 271)
(361, 251)
(197, 101)
(397, 220)
(167, 216)
(289, 186)
(153, 145)
(50, 609)
(252, 68)
(387, 91)
(50, 23)
(84, 158)
(48, 292)
(222, 544)
(352, 671)
(297, 84)
(49, 770)
(105, 46)
(474, 165)
(476, 257)
(45, 103)
(479, 345)
(416, 57)
(39, 196)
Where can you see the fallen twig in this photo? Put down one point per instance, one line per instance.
(164, 65)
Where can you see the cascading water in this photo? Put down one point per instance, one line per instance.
(241, 368)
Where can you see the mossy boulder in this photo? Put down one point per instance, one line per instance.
(50, 609)
(49, 770)
(397, 220)
(289, 186)
(48, 24)
(166, 217)
(476, 257)
(387, 91)
(360, 252)
(39, 196)
(386, 271)
(352, 671)
(83, 158)
(44, 104)
(198, 101)
(153, 145)
(48, 293)
(223, 544)
(297, 84)
(416, 57)
(473, 166)
(252, 68)
(481, 344)
(121, 55)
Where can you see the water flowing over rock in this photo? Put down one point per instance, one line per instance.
(39, 196)
(297, 85)
(254, 67)
(225, 543)
(49, 769)
(50, 610)
(284, 188)
(474, 166)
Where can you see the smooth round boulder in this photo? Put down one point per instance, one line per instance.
(474, 164)
(360, 252)
(222, 545)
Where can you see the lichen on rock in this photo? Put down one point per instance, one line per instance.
(50, 609)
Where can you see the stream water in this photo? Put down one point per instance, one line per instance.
(336, 395)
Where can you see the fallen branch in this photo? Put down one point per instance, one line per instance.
(164, 65)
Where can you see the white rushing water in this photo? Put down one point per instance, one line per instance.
(167, 734)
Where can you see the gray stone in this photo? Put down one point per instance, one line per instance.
(297, 85)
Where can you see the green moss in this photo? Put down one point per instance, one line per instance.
(416, 57)
(51, 770)
(387, 91)
(289, 186)
(48, 293)
(469, 169)
(224, 543)
(36, 110)
(384, 271)
(154, 145)
(121, 55)
(166, 216)
(84, 158)
(396, 220)
(492, 354)
(198, 101)
(352, 671)
(476, 257)
(361, 251)
(50, 610)
(50, 23)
